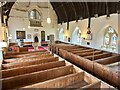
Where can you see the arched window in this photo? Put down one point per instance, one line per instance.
(34, 14)
(76, 36)
(110, 39)
(35, 18)
(61, 34)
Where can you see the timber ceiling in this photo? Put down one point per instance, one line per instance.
(69, 11)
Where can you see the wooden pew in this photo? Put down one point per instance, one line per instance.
(97, 69)
(106, 74)
(115, 66)
(19, 53)
(98, 56)
(22, 53)
(81, 51)
(76, 49)
(32, 78)
(77, 60)
(109, 60)
(25, 55)
(36, 57)
(30, 69)
(89, 53)
(27, 63)
(76, 80)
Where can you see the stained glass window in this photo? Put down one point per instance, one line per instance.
(110, 40)
(111, 30)
(114, 41)
(107, 38)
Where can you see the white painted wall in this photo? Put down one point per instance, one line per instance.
(98, 26)
(19, 21)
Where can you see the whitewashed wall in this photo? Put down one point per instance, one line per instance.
(98, 26)
(19, 21)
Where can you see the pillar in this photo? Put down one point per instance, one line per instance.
(119, 33)
(1, 55)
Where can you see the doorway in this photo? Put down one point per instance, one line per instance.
(42, 36)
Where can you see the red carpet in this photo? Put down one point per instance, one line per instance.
(40, 48)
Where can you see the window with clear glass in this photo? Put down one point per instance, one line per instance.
(34, 14)
(61, 34)
(35, 18)
(76, 36)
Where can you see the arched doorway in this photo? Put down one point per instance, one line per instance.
(61, 34)
(35, 44)
(36, 39)
(76, 36)
(42, 35)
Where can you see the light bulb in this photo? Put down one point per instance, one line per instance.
(48, 20)
(23, 28)
(28, 26)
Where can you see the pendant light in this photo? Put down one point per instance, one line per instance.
(68, 25)
(107, 11)
(48, 19)
(88, 34)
